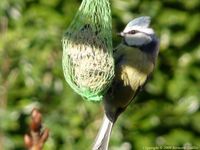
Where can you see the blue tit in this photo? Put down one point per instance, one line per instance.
(135, 60)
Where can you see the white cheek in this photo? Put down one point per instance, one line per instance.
(137, 39)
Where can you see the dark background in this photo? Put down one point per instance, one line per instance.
(165, 113)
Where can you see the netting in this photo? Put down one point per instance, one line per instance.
(88, 63)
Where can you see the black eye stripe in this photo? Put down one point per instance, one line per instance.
(132, 32)
(135, 31)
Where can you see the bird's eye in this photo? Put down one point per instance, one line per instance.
(132, 32)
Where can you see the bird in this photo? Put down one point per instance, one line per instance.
(135, 59)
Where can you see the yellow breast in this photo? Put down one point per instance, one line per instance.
(135, 66)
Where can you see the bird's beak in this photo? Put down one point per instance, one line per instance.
(121, 34)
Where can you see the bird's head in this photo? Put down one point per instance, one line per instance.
(137, 32)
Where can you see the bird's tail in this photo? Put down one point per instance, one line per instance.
(103, 136)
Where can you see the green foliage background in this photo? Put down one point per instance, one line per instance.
(166, 113)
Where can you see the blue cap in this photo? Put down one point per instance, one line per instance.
(143, 21)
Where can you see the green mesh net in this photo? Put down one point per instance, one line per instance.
(88, 63)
